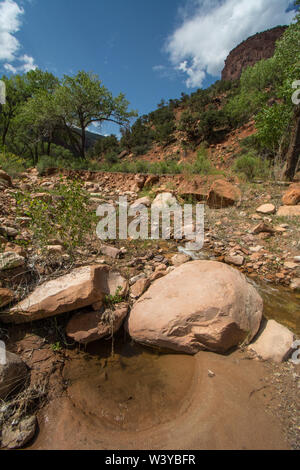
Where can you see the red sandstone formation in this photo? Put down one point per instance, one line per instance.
(257, 47)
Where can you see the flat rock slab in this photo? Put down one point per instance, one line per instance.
(274, 343)
(266, 209)
(87, 327)
(289, 211)
(81, 288)
(199, 305)
(11, 260)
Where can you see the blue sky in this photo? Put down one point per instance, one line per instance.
(147, 49)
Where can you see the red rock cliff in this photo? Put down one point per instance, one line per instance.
(257, 47)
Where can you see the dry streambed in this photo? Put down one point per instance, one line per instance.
(113, 394)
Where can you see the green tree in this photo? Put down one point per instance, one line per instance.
(36, 123)
(82, 100)
(19, 89)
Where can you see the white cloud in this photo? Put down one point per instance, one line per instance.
(10, 20)
(28, 63)
(200, 45)
(10, 23)
(10, 68)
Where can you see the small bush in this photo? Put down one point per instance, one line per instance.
(251, 166)
(65, 216)
(12, 164)
(202, 165)
(45, 162)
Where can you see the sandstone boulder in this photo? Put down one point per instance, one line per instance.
(266, 209)
(295, 285)
(81, 288)
(274, 342)
(151, 180)
(110, 251)
(8, 231)
(164, 201)
(289, 211)
(11, 260)
(179, 259)
(139, 288)
(143, 201)
(139, 181)
(13, 373)
(236, 260)
(223, 194)
(6, 297)
(292, 196)
(5, 178)
(19, 435)
(199, 305)
(88, 327)
(112, 283)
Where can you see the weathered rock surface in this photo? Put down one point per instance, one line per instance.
(113, 283)
(139, 288)
(12, 374)
(257, 47)
(200, 305)
(295, 285)
(289, 211)
(143, 201)
(18, 436)
(179, 259)
(292, 196)
(164, 201)
(5, 178)
(139, 181)
(274, 342)
(8, 231)
(11, 260)
(91, 326)
(223, 194)
(110, 251)
(263, 228)
(266, 209)
(6, 297)
(151, 180)
(81, 288)
(236, 260)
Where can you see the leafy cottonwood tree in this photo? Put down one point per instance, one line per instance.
(82, 100)
(19, 89)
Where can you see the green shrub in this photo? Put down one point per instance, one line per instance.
(45, 162)
(272, 123)
(12, 164)
(65, 216)
(111, 157)
(60, 158)
(252, 166)
(202, 165)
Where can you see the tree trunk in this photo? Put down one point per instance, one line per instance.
(5, 131)
(294, 148)
(36, 155)
(83, 138)
(48, 148)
